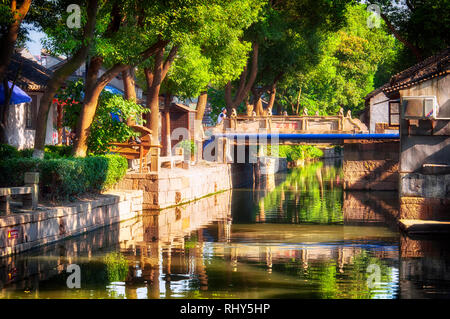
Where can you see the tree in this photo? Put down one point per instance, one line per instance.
(283, 41)
(349, 61)
(217, 58)
(76, 49)
(420, 25)
(11, 17)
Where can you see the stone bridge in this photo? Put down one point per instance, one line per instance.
(291, 124)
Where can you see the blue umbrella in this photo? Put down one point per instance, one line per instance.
(18, 96)
(113, 90)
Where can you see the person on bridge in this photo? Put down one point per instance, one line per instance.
(222, 115)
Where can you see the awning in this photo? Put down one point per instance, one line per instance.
(113, 90)
(18, 96)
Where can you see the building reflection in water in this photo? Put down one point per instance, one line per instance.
(425, 266)
(298, 235)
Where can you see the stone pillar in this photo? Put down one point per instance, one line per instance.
(4, 205)
(222, 147)
(154, 157)
(30, 201)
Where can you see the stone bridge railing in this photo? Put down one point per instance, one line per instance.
(291, 124)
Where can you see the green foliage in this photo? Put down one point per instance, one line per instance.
(216, 98)
(294, 152)
(216, 53)
(6, 17)
(71, 98)
(12, 170)
(422, 23)
(8, 151)
(189, 146)
(51, 152)
(105, 129)
(116, 267)
(351, 60)
(57, 151)
(66, 177)
(310, 183)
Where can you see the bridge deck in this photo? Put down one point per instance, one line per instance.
(295, 136)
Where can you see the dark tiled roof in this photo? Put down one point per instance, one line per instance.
(427, 69)
(32, 77)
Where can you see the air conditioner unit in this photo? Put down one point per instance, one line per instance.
(422, 107)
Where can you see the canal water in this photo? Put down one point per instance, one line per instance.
(295, 235)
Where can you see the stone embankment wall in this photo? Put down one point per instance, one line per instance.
(371, 165)
(370, 207)
(21, 232)
(176, 186)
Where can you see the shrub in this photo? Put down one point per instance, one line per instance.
(12, 170)
(189, 146)
(109, 122)
(51, 152)
(57, 151)
(8, 151)
(64, 178)
(26, 153)
(295, 152)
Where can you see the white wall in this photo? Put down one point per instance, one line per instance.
(379, 110)
(439, 87)
(16, 132)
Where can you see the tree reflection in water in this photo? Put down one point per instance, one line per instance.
(284, 241)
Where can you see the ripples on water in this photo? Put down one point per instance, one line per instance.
(294, 236)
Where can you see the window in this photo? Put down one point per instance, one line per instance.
(394, 113)
(30, 113)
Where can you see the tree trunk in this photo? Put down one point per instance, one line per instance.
(244, 88)
(298, 100)
(414, 50)
(59, 77)
(7, 44)
(201, 105)
(167, 103)
(91, 100)
(273, 93)
(89, 107)
(8, 40)
(153, 96)
(130, 89)
(257, 103)
(59, 122)
(259, 107)
(160, 70)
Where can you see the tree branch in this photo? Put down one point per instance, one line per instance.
(399, 37)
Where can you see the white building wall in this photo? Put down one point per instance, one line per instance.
(439, 87)
(379, 110)
(16, 131)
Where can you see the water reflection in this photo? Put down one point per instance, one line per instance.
(309, 194)
(295, 236)
(425, 267)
